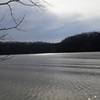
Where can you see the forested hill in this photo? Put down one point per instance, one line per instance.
(83, 42)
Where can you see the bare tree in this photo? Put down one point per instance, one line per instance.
(17, 23)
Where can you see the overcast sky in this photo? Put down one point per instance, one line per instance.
(59, 19)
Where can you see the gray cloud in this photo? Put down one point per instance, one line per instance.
(42, 25)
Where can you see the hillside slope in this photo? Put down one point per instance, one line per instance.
(84, 42)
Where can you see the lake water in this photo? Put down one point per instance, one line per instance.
(64, 76)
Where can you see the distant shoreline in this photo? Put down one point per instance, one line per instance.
(85, 42)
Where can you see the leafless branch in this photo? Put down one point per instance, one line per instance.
(17, 23)
(32, 3)
(16, 26)
(6, 3)
(13, 18)
(11, 12)
(2, 37)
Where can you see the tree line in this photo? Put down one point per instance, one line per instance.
(84, 42)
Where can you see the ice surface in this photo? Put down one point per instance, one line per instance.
(64, 76)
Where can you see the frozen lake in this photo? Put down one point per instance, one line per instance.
(64, 76)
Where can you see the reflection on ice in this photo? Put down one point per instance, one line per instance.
(51, 77)
(89, 98)
(95, 96)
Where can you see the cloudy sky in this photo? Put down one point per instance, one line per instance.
(59, 19)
